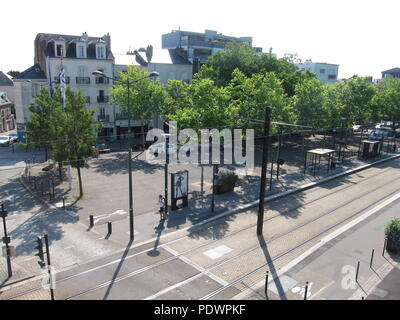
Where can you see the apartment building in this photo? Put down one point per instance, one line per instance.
(326, 72)
(200, 46)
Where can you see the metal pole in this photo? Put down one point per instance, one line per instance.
(46, 240)
(131, 228)
(271, 176)
(384, 247)
(372, 258)
(63, 202)
(166, 175)
(306, 291)
(109, 227)
(91, 221)
(4, 215)
(278, 156)
(260, 218)
(129, 112)
(213, 184)
(358, 269)
(202, 179)
(266, 285)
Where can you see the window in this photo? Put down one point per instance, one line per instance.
(101, 52)
(59, 50)
(35, 89)
(322, 71)
(81, 51)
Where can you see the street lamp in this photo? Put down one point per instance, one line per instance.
(99, 73)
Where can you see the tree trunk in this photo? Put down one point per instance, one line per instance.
(80, 182)
(60, 171)
(143, 138)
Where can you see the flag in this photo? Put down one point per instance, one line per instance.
(49, 79)
(62, 79)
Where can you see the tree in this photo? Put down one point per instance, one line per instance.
(309, 103)
(42, 125)
(80, 132)
(145, 96)
(387, 100)
(355, 96)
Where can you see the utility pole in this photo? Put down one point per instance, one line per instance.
(166, 174)
(131, 228)
(6, 240)
(46, 240)
(260, 218)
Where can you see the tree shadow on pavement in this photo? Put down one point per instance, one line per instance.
(41, 220)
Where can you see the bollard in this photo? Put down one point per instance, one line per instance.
(64, 202)
(109, 227)
(306, 291)
(362, 298)
(372, 258)
(384, 247)
(91, 221)
(358, 269)
(266, 284)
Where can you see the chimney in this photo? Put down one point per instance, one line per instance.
(107, 40)
(149, 53)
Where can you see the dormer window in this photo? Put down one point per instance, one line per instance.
(100, 52)
(80, 50)
(59, 49)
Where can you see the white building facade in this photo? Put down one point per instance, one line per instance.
(326, 72)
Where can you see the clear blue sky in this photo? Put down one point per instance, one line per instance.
(361, 36)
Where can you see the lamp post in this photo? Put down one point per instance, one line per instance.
(99, 73)
(6, 240)
(166, 135)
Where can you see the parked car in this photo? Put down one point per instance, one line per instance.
(14, 137)
(5, 141)
(102, 147)
(379, 134)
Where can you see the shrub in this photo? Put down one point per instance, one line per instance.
(226, 178)
(393, 227)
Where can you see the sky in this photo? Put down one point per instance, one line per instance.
(362, 36)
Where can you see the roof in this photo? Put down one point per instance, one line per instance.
(165, 56)
(5, 80)
(33, 72)
(394, 70)
(64, 37)
(125, 59)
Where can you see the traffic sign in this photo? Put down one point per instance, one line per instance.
(12, 251)
(6, 240)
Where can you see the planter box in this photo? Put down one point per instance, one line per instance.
(393, 243)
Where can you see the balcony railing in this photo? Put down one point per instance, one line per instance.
(104, 118)
(102, 80)
(121, 116)
(103, 99)
(82, 80)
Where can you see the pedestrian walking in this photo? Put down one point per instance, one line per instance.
(161, 203)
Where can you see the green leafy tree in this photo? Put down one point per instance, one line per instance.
(80, 132)
(309, 103)
(145, 96)
(42, 125)
(387, 100)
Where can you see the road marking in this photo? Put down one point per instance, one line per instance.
(286, 283)
(192, 264)
(108, 215)
(321, 243)
(134, 232)
(217, 252)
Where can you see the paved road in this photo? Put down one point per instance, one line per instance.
(224, 258)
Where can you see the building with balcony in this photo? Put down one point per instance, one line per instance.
(326, 72)
(6, 116)
(199, 46)
(79, 56)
